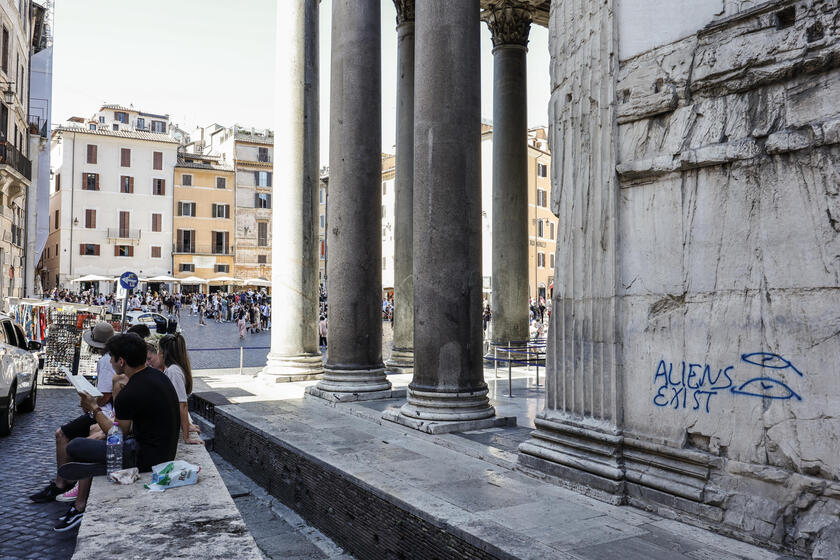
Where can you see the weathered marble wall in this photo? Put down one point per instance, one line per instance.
(725, 147)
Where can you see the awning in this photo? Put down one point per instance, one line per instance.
(93, 278)
(192, 281)
(224, 280)
(162, 278)
(259, 282)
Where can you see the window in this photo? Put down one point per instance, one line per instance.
(221, 210)
(4, 61)
(262, 178)
(121, 116)
(541, 260)
(141, 122)
(323, 250)
(159, 187)
(541, 199)
(159, 127)
(384, 188)
(262, 155)
(90, 181)
(91, 153)
(155, 252)
(58, 182)
(551, 230)
(384, 263)
(220, 242)
(262, 259)
(101, 120)
(542, 170)
(123, 250)
(323, 221)
(126, 184)
(540, 228)
(551, 260)
(262, 200)
(90, 219)
(322, 194)
(384, 211)
(186, 267)
(157, 222)
(125, 224)
(186, 240)
(115, 127)
(221, 183)
(186, 209)
(56, 221)
(262, 234)
(157, 160)
(186, 180)
(92, 126)
(89, 249)
(222, 268)
(125, 157)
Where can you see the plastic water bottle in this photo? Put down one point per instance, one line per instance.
(114, 449)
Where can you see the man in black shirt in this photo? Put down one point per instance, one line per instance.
(147, 407)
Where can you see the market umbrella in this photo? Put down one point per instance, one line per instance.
(224, 280)
(93, 278)
(162, 278)
(258, 282)
(192, 281)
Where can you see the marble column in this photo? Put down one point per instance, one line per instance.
(402, 352)
(354, 368)
(294, 353)
(448, 391)
(510, 23)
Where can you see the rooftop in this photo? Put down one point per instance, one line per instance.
(134, 135)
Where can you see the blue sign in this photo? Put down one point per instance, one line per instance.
(129, 280)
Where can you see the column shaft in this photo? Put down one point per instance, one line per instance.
(402, 353)
(354, 368)
(448, 384)
(509, 302)
(294, 273)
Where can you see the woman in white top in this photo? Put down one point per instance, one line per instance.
(173, 353)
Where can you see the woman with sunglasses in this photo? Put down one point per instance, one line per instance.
(173, 353)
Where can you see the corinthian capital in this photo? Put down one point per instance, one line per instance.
(405, 11)
(509, 21)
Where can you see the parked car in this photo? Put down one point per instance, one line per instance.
(155, 321)
(18, 373)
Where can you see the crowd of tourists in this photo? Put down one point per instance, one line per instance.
(145, 383)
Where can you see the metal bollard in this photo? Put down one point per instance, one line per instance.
(538, 368)
(495, 362)
(510, 376)
(241, 358)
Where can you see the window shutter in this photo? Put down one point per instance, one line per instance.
(213, 211)
(268, 198)
(96, 250)
(269, 173)
(97, 180)
(131, 184)
(131, 250)
(256, 177)
(158, 160)
(81, 248)
(116, 250)
(256, 200)
(180, 208)
(163, 186)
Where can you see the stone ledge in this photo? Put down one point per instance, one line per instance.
(197, 521)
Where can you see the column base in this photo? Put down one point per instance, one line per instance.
(402, 361)
(281, 369)
(438, 427)
(586, 456)
(438, 412)
(342, 385)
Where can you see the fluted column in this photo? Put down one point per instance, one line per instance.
(448, 391)
(294, 351)
(402, 352)
(354, 368)
(509, 22)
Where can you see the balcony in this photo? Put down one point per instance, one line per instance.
(192, 249)
(123, 235)
(9, 155)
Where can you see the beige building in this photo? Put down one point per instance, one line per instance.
(203, 217)
(542, 228)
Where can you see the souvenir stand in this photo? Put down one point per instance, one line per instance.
(67, 321)
(32, 315)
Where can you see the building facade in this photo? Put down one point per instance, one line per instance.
(203, 217)
(111, 197)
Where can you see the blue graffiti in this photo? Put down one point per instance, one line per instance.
(767, 387)
(692, 385)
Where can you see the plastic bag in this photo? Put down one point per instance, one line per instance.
(172, 474)
(124, 476)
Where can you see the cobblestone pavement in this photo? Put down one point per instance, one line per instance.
(27, 464)
(278, 531)
(203, 343)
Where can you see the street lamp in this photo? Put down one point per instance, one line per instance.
(8, 93)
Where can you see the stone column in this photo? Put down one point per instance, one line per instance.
(510, 23)
(448, 391)
(402, 352)
(354, 368)
(294, 351)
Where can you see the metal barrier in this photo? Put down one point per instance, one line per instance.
(515, 347)
(228, 349)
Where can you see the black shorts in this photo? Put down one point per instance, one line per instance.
(78, 428)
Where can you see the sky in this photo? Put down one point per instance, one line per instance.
(205, 61)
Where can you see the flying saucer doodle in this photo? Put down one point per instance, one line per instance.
(766, 388)
(769, 360)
